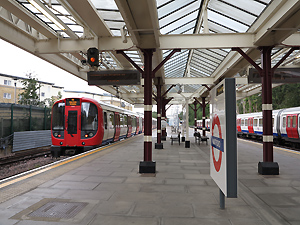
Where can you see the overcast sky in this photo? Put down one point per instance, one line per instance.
(43, 70)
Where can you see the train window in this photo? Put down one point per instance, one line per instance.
(261, 122)
(89, 116)
(255, 122)
(111, 120)
(105, 120)
(72, 122)
(121, 120)
(272, 122)
(243, 122)
(294, 121)
(284, 122)
(246, 122)
(125, 120)
(288, 121)
(58, 116)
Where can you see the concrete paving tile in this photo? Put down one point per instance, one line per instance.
(186, 182)
(93, 173)
(116, 220)
(170, 175)
(189, 198)
(75, 185)
(114, 208)
(195, 221)
(120, 187)
(45, 193)
(137, 197)
(162, 188)
(253, 183)
(202, 189)
(197, 176)
(277, 182)
(73, 177)
(289, 212)
(295, 222)
(246, 221)
(214, 211)
(280, 200)
(144, 180)
(105, 179)
(87, 194)
(273, 190)
(163, 209)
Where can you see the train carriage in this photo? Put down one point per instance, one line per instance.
(286, 125)
(80, 124)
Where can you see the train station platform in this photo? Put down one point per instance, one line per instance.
(104, 187)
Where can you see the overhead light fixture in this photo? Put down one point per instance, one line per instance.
(45, 13)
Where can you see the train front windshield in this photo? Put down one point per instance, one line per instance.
(58, 116)
(89, 117)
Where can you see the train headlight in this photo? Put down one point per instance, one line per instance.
(55, 134)
(91, 134)
(83, 143)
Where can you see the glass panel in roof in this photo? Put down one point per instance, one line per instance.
(182, 25)
(172, 6)
(66, 20)
(254, 7)
(59, 9)
(233, 12)
(226, 22)
(111, 15)
(105, 4)
(178, 14)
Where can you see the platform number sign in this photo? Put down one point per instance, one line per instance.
(223, 152)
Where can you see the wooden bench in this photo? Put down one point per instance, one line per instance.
(175, 138)
(199, 137)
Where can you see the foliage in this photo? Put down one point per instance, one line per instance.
(154, 114)
(50, 101)
(199, 113)
(29, 94)
(284, 96)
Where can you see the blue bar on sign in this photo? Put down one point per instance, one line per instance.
(217, 143)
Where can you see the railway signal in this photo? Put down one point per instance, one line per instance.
(93, 57)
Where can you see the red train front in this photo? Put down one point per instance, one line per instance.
(77, 125)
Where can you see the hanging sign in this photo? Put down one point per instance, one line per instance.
(223, 152)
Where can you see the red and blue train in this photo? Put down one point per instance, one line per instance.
(286, 126)
(80, 124)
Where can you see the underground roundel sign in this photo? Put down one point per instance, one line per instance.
(217, 143)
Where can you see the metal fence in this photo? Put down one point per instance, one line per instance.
(14, 118)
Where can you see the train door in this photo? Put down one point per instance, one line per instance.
(117, 127)
(292, 126)
(250, 125)
(72, 133)
(129, 126)
(238, 125)
(105, 126)
(137, 125)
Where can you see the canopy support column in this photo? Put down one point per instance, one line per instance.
(268, 166)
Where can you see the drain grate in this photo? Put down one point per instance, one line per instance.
(59, 210)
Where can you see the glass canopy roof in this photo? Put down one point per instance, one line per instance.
(174, 17)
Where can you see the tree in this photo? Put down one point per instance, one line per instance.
(50, 101)
(29, 94)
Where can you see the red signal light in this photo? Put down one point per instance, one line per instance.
(93, 59)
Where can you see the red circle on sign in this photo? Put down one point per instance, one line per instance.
(217, 164)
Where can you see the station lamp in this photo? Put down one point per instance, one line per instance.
(93, 57)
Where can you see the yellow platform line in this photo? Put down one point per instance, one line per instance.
(49, 167)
